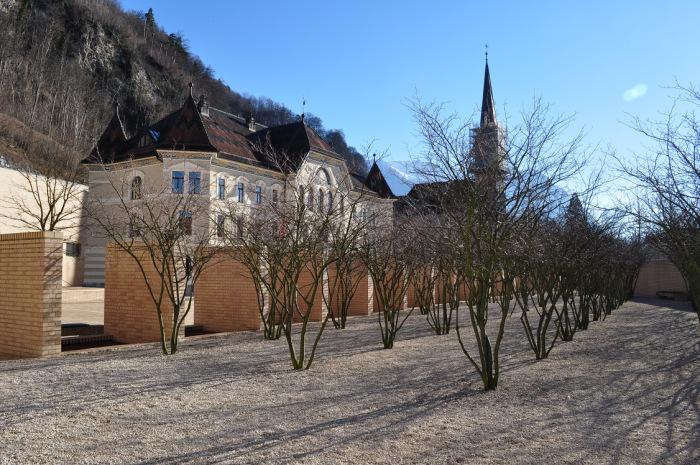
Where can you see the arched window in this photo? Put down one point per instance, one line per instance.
(301, 195)
(320, 200)
(330, 202)
(322, 177)
(310, 200)
(136, 185)
(341, 205)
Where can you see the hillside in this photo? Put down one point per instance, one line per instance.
(66, 64)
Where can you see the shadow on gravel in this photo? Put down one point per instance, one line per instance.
(654, 389)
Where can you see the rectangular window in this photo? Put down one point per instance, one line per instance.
(274, 196)
(241, 192)
(222, 189)
(186, 223)
(239, 227)
(72, 249)
(178, 182)
(195, 181)
(220, 226)
(258, 195)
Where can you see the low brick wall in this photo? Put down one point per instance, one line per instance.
(318, 307)
(225, 297)
(659, 275)
(129, 311)
(363, 301)
(30, 315)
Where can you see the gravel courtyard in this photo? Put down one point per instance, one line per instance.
(626, 391)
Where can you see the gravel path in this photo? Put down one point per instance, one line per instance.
(626, 391)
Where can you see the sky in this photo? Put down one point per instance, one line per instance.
(357, 62)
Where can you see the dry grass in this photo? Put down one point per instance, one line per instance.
(625, 391)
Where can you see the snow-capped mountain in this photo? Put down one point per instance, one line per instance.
(399, 175)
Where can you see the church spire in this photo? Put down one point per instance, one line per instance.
(488, 108)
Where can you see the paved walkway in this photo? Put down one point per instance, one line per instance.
(88, 307)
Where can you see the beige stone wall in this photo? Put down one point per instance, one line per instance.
(129, 311)
(225, 297)
(30, 314)
(73, 228)
(659, 275)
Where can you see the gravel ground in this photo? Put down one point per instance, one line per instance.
(626, 391)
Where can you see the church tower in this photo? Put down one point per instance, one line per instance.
(488, 139)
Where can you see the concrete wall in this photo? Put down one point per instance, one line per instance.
(659, 275)
(129, 313)
(15, 186)
(225, 297)
(30, 292)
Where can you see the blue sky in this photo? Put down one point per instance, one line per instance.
(357, 62)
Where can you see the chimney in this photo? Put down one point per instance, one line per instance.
(202, 105)
(250, 121)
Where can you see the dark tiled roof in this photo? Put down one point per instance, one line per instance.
(358, 181)
(375, 181)
(228, 133)
(292, 141)
(188, 131)
(111, 143)
(488, 109)
(188, 128)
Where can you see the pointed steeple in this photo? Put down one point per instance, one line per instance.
(488, 108)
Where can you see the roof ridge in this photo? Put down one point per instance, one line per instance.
(241, 118)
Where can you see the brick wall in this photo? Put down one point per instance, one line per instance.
(129, 312)
(362, 302)
(30, 314)
(376, 306)
(225, 297)
(318, 308)
(659, 275)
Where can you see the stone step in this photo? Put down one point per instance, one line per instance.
(81, 329)
(193, 329)
(71, 340)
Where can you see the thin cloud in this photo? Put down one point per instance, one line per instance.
(635, 92)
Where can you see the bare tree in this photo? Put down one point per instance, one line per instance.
(384, 253)
(288, 245)
(167, 234)
(488, 202)
(48, 196)
(668, 186)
